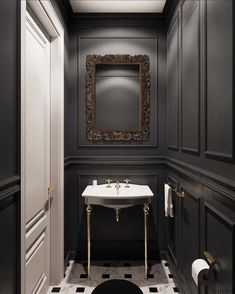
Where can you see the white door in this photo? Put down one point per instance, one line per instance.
(37, 159)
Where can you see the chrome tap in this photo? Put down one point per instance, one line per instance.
(117, 186)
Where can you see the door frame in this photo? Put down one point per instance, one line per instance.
(49, 19)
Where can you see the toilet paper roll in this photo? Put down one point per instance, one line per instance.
(199, 267)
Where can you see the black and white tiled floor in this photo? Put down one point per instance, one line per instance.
(160, 280)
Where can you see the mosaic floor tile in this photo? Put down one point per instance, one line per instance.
(160, 280)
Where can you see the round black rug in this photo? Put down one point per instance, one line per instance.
(117, 287)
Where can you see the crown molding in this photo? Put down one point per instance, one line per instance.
(75, 20)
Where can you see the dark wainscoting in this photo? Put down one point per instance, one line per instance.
(219, 238)
(208, 205)
(10, 147)
(10, 231)
(204, 220)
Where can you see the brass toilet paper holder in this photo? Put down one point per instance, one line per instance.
(212, 262)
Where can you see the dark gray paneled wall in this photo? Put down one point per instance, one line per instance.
(87, 159)
(8, 88)
(204, 219)
(173, 84)
(204, 61)
(203, 165)
(190, 62)
(219, 79)
(117, 40)
(9, 146)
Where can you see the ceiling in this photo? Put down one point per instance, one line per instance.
(117, 6)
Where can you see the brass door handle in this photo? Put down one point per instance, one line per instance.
(50, 189)
(48, 204)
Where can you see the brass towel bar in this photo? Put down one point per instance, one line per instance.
(179, 194)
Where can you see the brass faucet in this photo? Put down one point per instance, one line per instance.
(108, 183)
(127, 181)
(117, 186)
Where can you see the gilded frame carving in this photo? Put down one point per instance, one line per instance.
(90, 94)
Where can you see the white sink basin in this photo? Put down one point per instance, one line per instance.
(117, 198)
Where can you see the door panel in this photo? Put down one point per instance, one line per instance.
(37, 158)
(36, 264)
(37, 120)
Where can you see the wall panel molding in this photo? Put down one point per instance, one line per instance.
(189, 246)
(219, 240)
(203, 176)
(10, 60)
(82, 141)
(219, 105)
(173, 223)
(11, 181)
(190, 77)
(8, 192)
(173, 86)
(199, 174)
(114, 160)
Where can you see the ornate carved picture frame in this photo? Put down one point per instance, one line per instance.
(93, 134)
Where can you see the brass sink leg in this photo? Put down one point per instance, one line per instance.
(117, 211)
(146, 212)
(88, 211)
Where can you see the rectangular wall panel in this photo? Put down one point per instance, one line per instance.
(101, 44)
(35, 265)
(9, 238)
(219, 82)
(190, 242)
(9, 146)
(173, 223)
(173, 84)
(8, 122)
(220, 236)
(190, 98)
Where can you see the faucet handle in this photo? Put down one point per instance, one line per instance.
(108, 183)
(127, 181)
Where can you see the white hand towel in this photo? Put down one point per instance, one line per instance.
(170, 204)
(167, 188)
(168, 201)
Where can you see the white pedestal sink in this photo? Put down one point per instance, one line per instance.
(117, 196)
